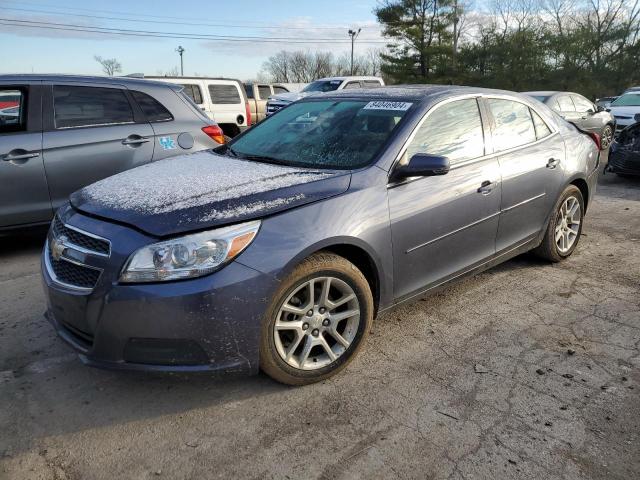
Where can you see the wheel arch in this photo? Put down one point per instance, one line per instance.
(583, 186)
(357, 252)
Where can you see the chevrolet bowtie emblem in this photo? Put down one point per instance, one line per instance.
(58, 246)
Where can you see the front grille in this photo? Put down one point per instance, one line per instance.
(72, 274)
(79, 239)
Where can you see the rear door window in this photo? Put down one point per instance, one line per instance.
(453, 130)
(224, 94)
(193, 92)
(351, 85)
(90, 106)
(371, 83)
(152, 109)
(265, 91)
(566, 105)
(13, 116)
(514, 125)
(279, 89)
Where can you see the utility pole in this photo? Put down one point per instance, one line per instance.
(180, 51)
(353, 34)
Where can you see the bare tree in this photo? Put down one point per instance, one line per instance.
(110, 66)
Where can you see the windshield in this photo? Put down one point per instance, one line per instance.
(322, 134)
(322, 86)
(627, 100)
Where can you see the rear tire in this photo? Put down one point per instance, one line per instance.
(565, 227)
(606, 138)
(317, 321)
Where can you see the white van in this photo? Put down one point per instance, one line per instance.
(224, 100)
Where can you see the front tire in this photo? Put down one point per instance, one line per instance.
(565, 227)
(317, 321)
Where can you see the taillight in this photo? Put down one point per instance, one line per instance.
(596, 138)
(215, 133)
(248, 110)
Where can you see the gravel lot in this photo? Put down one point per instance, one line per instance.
(529, 370)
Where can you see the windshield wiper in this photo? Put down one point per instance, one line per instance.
(266, 159)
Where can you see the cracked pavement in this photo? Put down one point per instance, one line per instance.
(529, 370)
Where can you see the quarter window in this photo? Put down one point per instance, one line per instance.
(90, 106)
(542, 129)
(224, 94)
(453, 130)
(514, 125)
(566, 105)
(582, 104)
(351, 85)
(152, 109)
(371, 84)
(264, 91)
(279, 89)
(193, 92)
(12, 110)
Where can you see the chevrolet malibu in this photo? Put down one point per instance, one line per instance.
(276, 251)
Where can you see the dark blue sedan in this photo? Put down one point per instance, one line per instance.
(276, 251)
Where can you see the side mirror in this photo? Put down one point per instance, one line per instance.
(422, 165)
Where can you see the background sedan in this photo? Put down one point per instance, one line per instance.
(583, 113)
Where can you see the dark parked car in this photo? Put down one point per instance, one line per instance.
(583, 113)
(59, 133)
(278, 250)
(624, 156)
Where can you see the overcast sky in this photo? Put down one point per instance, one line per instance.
(24, 49)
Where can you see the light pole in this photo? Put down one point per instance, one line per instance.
(180, 51)
(353, 34)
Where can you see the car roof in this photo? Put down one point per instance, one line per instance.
(160, 77)
(416, 93)
(352, 77)
(57, 77)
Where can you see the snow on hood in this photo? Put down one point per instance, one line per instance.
(291, 96)
(203, 189)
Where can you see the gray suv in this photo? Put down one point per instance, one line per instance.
(61, 133)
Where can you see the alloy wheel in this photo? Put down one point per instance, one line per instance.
(317, 323)
(568, 224)
(607, 137)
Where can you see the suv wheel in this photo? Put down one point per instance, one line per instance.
(565, 227)
(317, 321)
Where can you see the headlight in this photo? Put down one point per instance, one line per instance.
(189, 256)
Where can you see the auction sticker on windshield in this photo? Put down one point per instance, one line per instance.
(379, 105)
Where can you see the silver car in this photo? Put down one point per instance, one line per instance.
(60, 133)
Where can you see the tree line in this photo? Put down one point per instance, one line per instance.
(305, 66)
(587, 46)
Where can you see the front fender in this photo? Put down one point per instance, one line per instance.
(359, 218)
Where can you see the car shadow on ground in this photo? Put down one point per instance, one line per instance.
(22, 241)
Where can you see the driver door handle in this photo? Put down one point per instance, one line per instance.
(485, 187)
(9, 157)
(553, 163)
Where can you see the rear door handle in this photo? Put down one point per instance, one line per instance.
(11, 156)
(553, 163)
(485, 187)
(135, 141)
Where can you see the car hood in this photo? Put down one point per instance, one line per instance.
(626, 111)
(291, 96)
(204, 190)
